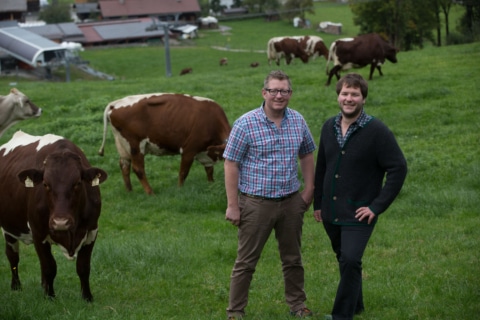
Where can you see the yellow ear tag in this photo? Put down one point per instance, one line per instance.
(95, 182)
(28, 183)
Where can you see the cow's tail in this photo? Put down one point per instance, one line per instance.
(331, 52)
(105, 124)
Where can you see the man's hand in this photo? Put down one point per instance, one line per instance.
(233, 215)
(365, 213)
(317, 214)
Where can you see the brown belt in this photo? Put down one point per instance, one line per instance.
(269, 199)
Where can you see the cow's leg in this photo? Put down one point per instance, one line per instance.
(48, 266)
(185, 165)
(209, 171)
(125, 161)
(379, 68)
(335, 71)
(12, 252)
(83, 270)
(138, 166)
(288, 59)
(372, 69)
(125, 165)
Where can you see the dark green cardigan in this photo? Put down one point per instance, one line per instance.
(353, 176)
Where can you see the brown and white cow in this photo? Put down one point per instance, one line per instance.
(287, 47)
(49, 194)
(359, 52)
(15, 107)
(166, 124)
(316, 47)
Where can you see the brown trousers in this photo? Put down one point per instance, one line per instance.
(257, 220)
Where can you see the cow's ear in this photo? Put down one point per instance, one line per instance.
(30, 177)
(94, 176)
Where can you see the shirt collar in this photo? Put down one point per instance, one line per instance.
(264, 115)
(361, 121)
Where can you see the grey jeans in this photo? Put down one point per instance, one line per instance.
(257, 220)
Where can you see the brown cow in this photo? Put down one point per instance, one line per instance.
(359, 52)
(223, 62)
(49, 194)
(166, 124)
(316, 47)
(186, 71)
(288, 47)
(15, 107)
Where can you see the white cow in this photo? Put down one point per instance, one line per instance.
(16, 107)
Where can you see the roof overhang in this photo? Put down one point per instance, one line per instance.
(29, 47)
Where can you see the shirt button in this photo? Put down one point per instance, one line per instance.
(334, 198)
(336, 220)
(337, 176)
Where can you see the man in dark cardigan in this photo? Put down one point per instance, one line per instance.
(356, 153)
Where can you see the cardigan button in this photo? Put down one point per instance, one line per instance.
(334, 198)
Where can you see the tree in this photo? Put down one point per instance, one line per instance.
(446, 5)
(259, 6)
(405, 23)
(442, 6)
(298, 8)
(215, 6)
(470, 22)
(55, 13)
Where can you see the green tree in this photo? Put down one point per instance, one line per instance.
(55, 13)
(259, 6)
(237, 3)
(298, 8)
(405, 23)
(215, 6)
(470, 22)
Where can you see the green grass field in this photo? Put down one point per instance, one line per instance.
(169, 256)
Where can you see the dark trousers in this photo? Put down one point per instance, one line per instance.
(348, 243)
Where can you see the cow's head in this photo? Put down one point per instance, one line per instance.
(391, 53)
(216, 152)
(18, 107)
(23, 108)
(64, 181)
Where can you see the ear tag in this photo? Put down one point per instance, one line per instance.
(95, 182)
(28, 183)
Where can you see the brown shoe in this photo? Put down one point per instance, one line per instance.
(301, 313)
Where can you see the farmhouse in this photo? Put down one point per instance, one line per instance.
(121, 21)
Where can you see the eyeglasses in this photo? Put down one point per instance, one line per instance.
(273, 92)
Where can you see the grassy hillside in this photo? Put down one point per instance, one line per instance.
(169, 256)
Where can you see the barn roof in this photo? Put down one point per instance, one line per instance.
(13, 5)
(85, 7)
(135, 8)
(67, 31)
(29, 47)
(118, 30)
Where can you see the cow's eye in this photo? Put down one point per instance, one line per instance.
(46, 186)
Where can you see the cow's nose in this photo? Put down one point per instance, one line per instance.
(60, 224)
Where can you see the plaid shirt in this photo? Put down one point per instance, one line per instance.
(267, 155)
(359, 123)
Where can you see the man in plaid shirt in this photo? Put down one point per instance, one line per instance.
(262, 186)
